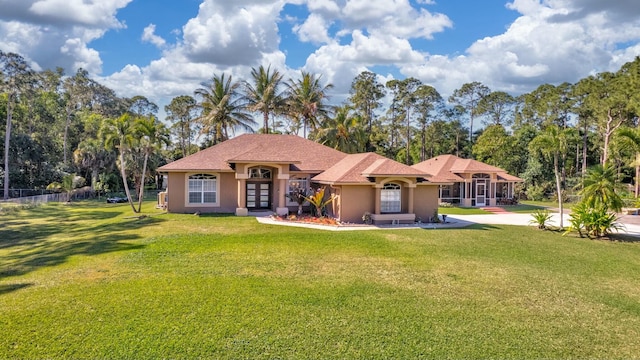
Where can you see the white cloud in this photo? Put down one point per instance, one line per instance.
(232, 33)
(56, 33)
(539, 47)
(148, 34)
(551, 41)
(83, 57)
(314, 29)
(396, 17)
(80, 12)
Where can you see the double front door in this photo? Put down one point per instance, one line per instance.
(258, 195)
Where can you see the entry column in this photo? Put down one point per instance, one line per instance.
(282, 209)
(242, 210)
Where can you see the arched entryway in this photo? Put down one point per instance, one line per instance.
(259, 187)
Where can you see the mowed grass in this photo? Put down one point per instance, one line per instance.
(461, 210)
(87, 281)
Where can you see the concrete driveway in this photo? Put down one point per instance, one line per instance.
(630, 223)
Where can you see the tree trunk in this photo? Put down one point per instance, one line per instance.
(408, 159)
(610, 129)
(471, 127)
(558, 188)
(637, 184)
(94, 178)
(125, 183)
(144, 170)
(265, 117)
(585, 144)
(7, 141)
(64, 138)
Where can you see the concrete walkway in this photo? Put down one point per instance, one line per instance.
(630, 226)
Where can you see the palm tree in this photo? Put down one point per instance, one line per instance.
(264, 94)
(343, 132)
(222, 108)
(553, 143)
(631, 138)
(119, 134)
(91, 154)
(152, 134)
(306, 98)
(599, 188)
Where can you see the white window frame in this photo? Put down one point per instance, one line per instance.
(216, 185)
(304, 183)
(391, 198)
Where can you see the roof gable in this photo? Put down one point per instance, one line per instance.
(448, 167)
(357, 168)
(302, 154)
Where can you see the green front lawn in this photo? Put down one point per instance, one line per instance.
(461, 210)
(89, 281)
(524, 208)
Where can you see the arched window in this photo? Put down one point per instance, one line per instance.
(390, 198)
(202, 189)
(259, 173)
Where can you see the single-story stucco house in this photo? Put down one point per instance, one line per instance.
(254, 172)
(471, 182)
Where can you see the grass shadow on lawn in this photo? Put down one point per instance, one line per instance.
(60, 234)
(7, 288)
(622, 238)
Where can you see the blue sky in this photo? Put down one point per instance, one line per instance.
(165, 48)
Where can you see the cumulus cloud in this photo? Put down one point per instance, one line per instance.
(80, 12)
(539, 48)
(56, 33)
(234, 32)
(148, 35)
(314, 29)
(551, 41)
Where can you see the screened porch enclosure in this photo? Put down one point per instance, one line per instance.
(478, 190)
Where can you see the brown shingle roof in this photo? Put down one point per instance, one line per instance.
(355, 168)
(446, 167)
(303, 154)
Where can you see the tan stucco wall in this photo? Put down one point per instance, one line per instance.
(227, 194)
(355, 201)
(425, 201)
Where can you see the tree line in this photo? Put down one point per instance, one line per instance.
(58, 124)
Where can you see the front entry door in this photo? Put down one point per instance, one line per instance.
(481, 193)
(258, 195)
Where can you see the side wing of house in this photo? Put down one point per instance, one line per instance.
(382, 190)
(470, 182)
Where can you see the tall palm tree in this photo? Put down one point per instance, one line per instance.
(343, 132)
(306, 99)
(264, 95)
(553, 143)
(223, 108)
(119, 134)
(152, 134)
